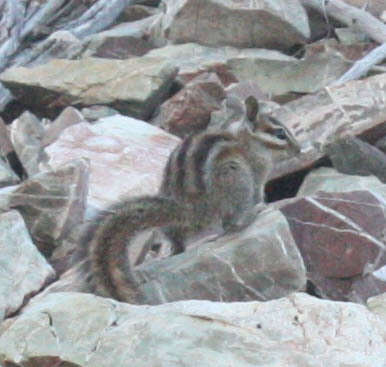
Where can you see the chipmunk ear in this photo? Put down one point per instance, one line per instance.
(252, 108)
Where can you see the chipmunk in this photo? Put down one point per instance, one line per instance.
(209, 175)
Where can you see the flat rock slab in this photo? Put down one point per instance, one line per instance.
(134, 86)
(127, 157)
(23, 269)
(297, 331)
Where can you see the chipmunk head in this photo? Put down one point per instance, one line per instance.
(266, 129)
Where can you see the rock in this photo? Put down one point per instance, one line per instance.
(329, 180)
(137, 12)
(349, 36)
(339, 229)
(51, 202)
(27, 133)
(69, 116)
(357, 107)
(94, 113)
(94, 81)
(60, 45)
(381, 144)
(7, 176)
(123, 41)
(378, 305)
(24, 270)
(5, 142)
(352, 156)
(294, 331)
(127, 157)
(268, 24)
(320, 66)
(194, 59)
(262, 262)
(188, 111)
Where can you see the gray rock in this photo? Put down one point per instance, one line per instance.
(7, 176)
(52, 202)
(329, 180)
(24, 270)
(319, 67)
(27, 133)
(96, 112)
(193, 59)
(269, 24)
(122, 41)
(88, 81)
(69, 116)
(295, 331)
(353, 156)
(354, 108)
(261, 262)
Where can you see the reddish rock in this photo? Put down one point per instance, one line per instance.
(339, 236)
(189, 110)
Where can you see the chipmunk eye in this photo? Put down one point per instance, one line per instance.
(279, 133)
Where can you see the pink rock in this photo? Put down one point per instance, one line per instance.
(127, 156)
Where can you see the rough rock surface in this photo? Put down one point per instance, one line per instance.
(26, 135)
(352, 156)
(126, 156)
(24, 270)
(338, 223)
(189, 110)
(94, 81)
(51, 202)
(296, 331)
(268, 24)
(262, 262)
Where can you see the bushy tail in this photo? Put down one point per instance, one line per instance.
(110, 266)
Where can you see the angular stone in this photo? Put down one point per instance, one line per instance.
(269, 24)
(194, 59)
(96, 112)
(24, 270)
(7, 176)
(69, 116)
(259, 263)
(27, 133)
(52, 202)
(127, 157)
(123, 41)
(352, 156)
(188, 111)
(94, 81)
(357, 107)
(295, 331)
(137, 12)
(330, 180)
(340, 231)
(320, 66)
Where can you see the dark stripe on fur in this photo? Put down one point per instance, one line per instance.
(181, 164)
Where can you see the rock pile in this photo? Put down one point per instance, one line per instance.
(94, 97)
